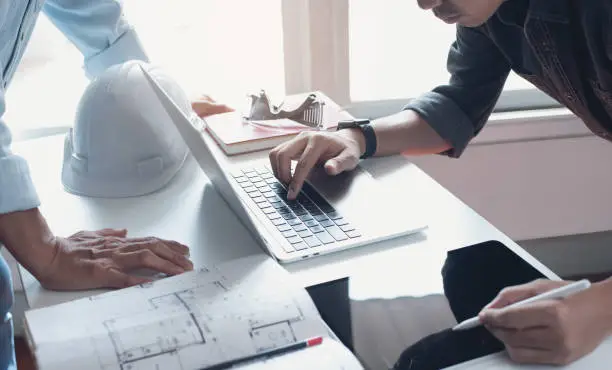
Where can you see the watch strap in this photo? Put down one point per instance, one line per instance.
(368, 133)
(370, 140)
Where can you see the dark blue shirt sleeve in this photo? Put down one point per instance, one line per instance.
(458, 110)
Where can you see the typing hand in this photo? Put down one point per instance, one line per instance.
(339, 151)
(104, 259)
(553, 332)
(206, 106)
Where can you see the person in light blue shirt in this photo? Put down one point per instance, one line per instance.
(87, 259)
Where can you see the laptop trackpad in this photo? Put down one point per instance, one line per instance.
(344, 191)
(373, 209)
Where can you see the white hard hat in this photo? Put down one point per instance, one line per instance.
(123, 142)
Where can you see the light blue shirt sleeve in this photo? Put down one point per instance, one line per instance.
(17, 192)
(99, 30)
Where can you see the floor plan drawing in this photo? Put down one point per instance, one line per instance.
(193, 317)
(186, 322)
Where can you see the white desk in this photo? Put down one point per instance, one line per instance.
(190, 211)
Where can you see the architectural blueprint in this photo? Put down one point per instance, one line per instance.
(185, 322)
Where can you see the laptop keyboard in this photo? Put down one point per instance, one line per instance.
(308, 221)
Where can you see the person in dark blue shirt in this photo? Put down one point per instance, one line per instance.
(563, 47)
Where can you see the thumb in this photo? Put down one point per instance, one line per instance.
(344, 161)
(120, 233)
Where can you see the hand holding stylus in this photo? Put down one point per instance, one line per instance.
(553, 330)
(560, 292)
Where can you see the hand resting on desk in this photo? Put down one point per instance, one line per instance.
(87, 259)
(104, 259)
(554, 332)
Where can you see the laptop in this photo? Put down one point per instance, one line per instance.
(331, 213)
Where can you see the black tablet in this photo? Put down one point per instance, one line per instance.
(435, 291)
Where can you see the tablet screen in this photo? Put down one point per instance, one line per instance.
(402, 317)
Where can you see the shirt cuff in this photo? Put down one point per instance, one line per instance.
(125, 48)
(446, 118)
(17, 192)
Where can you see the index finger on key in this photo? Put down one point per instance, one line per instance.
(286, 154)
(309, 158)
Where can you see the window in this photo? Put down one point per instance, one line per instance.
(399, 51)
(45, 89)
(207, 46)
(354, 50)
(224, 48)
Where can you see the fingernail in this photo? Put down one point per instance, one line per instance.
(291, 192)
(332, 167)
(182, 260)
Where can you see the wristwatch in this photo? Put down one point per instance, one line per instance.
(368, 134)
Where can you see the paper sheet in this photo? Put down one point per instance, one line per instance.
(184, 322)
(600, 358)
(331, 355)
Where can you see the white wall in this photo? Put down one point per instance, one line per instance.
(539, 189)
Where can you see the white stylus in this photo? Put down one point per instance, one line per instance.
(560, 292)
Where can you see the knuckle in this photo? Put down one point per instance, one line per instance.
(316, 138)
(301, 165)
(319, 138)
(506, 291)
(272, 154)
(177, 258)
(146, 257)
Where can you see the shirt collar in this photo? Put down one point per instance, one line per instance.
(550, 10)
(515, 12)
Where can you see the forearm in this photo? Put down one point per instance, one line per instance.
(27, 236)
(406, 132)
